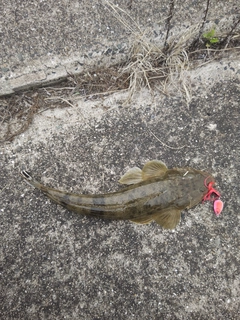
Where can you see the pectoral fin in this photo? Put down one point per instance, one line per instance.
(154, 168)
(169, 219)
(132, 176)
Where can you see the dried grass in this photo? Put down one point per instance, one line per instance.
(17, 111)
(149, 64)
(164, 65)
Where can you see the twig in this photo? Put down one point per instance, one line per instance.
(164, 144)
(196, 41)
(168, 22)
(116, 11)
(228, 36)
(7, 185)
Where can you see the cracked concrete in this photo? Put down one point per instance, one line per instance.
(55, 264)
(48, 71)
(42, 42)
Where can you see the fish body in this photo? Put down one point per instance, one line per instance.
(153, 193)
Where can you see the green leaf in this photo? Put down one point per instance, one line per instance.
(214, 40)
(210, 34)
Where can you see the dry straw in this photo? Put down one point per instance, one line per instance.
(152, 63)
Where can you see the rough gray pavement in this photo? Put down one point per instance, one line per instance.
(55, 264)
(44, 41)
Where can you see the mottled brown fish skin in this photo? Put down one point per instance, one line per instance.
(179, 188)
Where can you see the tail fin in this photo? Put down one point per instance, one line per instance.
(26, 175)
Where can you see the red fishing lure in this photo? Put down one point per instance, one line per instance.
(213, 195)
(217, 207)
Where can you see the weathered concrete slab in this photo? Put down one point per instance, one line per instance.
(55, 264)
(42, 42)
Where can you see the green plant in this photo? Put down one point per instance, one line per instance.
(210, 38)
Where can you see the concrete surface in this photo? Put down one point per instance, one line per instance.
(43, 41)
(55, 264)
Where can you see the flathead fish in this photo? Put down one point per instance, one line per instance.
(154, 193)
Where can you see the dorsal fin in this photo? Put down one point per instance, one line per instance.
(154, 168)
(132, 176)
(151, 169)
